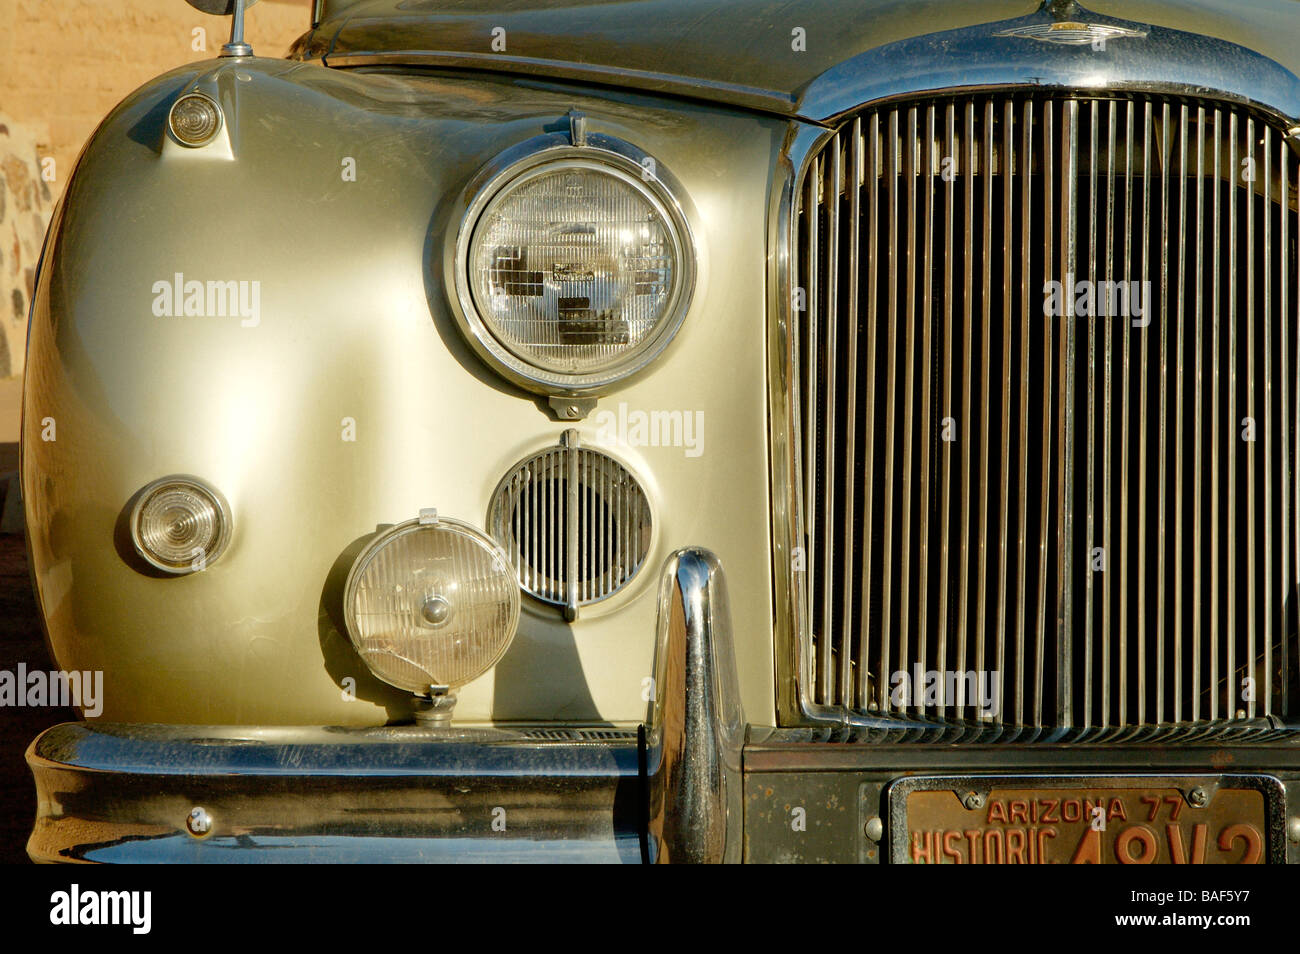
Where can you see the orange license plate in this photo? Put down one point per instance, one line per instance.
(1101, 821)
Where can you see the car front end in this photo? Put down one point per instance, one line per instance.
(874, 441)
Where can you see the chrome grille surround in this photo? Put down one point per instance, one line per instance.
(985, 527)
(575, 523)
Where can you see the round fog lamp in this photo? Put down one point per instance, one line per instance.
(180, 524)
(194, 119)
(431, 603)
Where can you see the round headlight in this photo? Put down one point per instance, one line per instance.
(194, 119)
(180, 524)
(431, 602)
(575, 271)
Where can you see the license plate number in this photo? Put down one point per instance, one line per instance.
(1110, 821)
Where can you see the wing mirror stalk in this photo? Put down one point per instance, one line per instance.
(228, 8)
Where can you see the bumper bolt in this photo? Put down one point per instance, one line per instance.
(1198, 797)
(198, 823)
(973, 800)
(874, 829)
(1293, 829)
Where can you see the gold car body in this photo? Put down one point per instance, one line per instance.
(358, 321)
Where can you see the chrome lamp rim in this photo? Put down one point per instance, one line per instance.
(195, 94)
(225, 522)
(538, 157)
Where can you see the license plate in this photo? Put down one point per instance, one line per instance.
(1034, 820)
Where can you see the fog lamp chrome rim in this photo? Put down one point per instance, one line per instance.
(175, 507)
(195, 119)
(431, 607)
(602, 155)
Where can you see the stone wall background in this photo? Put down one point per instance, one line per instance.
(63, 65)
(25, 202)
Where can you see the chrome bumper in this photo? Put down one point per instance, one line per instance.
(668, 791)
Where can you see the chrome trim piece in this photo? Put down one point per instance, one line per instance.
(537, 156)
(986, 739)
(995, 56)
(695, 725)
(789, 557)
(124, 793)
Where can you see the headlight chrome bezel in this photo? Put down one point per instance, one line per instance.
(525, 162)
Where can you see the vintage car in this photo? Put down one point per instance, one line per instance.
(675, 431)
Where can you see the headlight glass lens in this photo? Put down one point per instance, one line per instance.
(577, 269)
(179, 524)
(431, 603)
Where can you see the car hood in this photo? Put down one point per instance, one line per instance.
(774, 55)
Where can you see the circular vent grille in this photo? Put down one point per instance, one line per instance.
(575, 523)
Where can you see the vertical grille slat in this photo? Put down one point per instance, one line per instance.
(1248, 663)
(1230, 669)
(869, 411)
(1140, 573)
(1022, 484)
(1004, 511)
(1284, 458)
(1068, 237)
(812, 456)
(945, 451)
(853, 187)
(930, 162)
(1107, 441)
(1091, 523)
(1045, 388)
(986, 381)
(1044, 463)
(1180, 402)
(886, 567)
(964, 423)
(1122, 563)
(1266, 573)
(911, 173)
(1163, 457)
(830, 197)
(1216, 426)
(1198, 292)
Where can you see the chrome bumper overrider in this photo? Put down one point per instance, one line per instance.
(668, 791)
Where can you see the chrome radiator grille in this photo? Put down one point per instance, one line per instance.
(1071, 502)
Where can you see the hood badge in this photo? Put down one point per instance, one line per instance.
(1073, 33)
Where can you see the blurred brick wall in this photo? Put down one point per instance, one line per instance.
(25, 203)
(63, 65)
